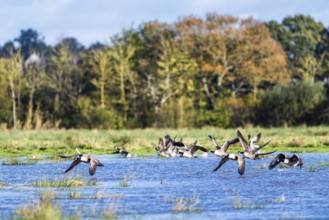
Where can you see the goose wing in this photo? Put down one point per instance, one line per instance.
(201, 148)
(265, 153)
(73, 164)
(168, 140)
(243, 142)
(215, 142)
(295, 158)
(161, 145)
(256, 138)
(68, 156)
(178, 143)
(241, 165)
(93, 165)
(278, 159)
(228, 143)
(222, 161)
(260, 147)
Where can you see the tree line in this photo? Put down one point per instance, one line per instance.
(197, 71)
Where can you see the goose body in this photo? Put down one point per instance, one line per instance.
(163, 150)
(124, 153)
(85, 158)
(189, 152)
(251, 149)
(293, 161)
(236, 157)
(221, 150)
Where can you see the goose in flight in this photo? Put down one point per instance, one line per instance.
(78, 158)
(293, 161)
(190, 150)
(161, 149)
(233, 156)
(221, 150)
(250, 150)
(124, 153)
(174, 143)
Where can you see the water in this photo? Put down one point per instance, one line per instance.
(156, 184)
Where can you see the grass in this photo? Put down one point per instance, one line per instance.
(74, 195)
(15, 161)
(43, 209)
(125, 182)
(188, 204)
(140, 141)
(238, 203)
(64, 182)
(111, 212)
(2, 184)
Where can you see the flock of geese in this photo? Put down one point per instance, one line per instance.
(172, 148)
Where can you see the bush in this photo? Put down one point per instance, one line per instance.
(286, 105)
(218, 117)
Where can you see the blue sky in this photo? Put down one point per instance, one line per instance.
(96, 20)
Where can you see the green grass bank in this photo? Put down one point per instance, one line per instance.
(141, 141)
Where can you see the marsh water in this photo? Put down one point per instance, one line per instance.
(148, 187)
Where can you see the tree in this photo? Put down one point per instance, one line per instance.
(99, 62)
(11, 68)
(300, 37)
(34, 78)
(287, 105)
(66, 81)
(121, 54)
(259, 58)
(30, 41)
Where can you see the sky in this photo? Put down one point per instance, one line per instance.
(91, 21)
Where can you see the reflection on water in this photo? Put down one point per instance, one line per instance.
(161, 188)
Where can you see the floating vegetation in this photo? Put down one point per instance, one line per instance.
(16, 161)
(326, 164)
(74, 195)
(43, 209)
(65, 182)
(238, 203)
(99, 195)
(312, 168)
(35, 158)
(111, 212)
(188, 204)
(55, 158)
(3, 185)
(125, 181)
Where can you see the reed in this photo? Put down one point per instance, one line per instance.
(64, 182)
(238, 203)
(43, 209)
(188, 204)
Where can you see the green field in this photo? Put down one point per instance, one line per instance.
(141, 141)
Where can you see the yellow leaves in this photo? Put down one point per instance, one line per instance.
(11, 67)
(207, 67)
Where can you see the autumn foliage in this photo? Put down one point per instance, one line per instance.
(212, 71)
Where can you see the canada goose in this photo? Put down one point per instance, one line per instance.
(221, 150)
(161, 149)
(190, 150)
(171, 150)
(248, 151)
(124, 153)
(293, 161)
(175, 143)
(233, 156)
(93, 162)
